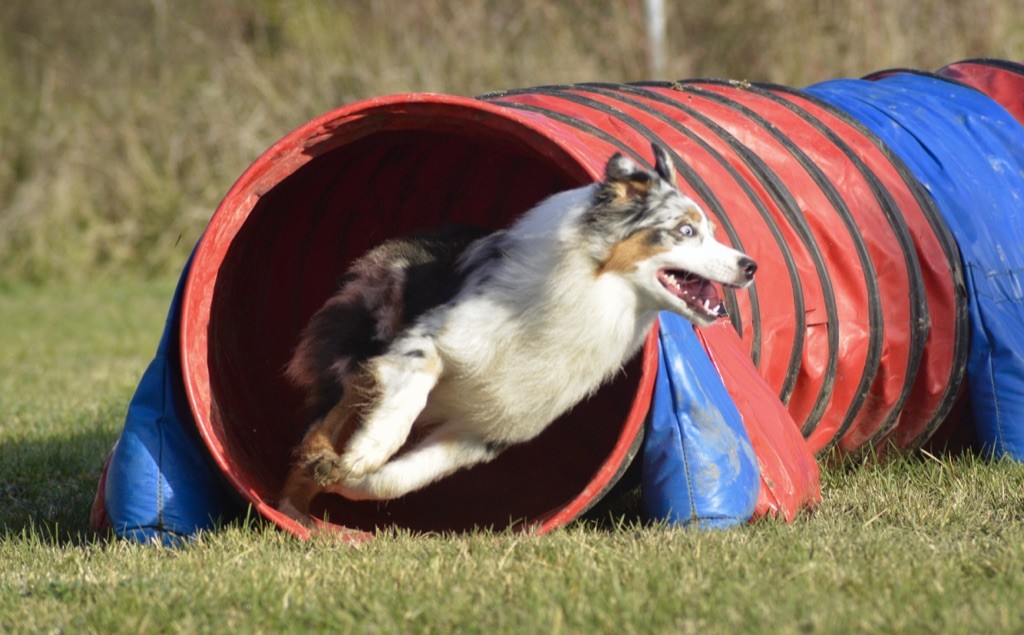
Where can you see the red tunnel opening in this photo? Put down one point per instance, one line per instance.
(291, 225)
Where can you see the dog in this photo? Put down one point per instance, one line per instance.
(439, 351)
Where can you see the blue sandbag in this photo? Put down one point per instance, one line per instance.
(160, 484)
(969, 154)
(699, 467)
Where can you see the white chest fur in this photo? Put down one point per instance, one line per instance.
(517, 355)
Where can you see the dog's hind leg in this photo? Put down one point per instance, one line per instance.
(296, 496)
(440, 453)
(403, 379)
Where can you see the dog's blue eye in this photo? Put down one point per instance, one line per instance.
(686, 230)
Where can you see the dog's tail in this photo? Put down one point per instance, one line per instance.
(353, 326)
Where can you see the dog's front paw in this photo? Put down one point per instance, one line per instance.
(364, 455)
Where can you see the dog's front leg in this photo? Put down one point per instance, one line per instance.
(440, 453)
(403, 378)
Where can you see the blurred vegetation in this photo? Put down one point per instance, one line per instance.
(123, 122)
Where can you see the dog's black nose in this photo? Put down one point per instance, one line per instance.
(749, 267)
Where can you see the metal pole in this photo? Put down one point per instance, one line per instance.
(654, 13)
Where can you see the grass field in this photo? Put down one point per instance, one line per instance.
(916, 545)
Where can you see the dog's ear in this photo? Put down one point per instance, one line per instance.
(663, 164)
(620, 167)
(624, 180)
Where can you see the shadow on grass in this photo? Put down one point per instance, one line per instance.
(621, 506)
(47, 485)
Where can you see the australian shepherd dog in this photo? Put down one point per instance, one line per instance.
(454, 345)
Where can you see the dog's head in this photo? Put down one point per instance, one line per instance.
(647, 232)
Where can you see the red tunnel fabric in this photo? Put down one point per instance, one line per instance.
(854, 332)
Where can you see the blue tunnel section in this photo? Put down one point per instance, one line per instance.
(699, 468)
(160, 485)
(968, 152)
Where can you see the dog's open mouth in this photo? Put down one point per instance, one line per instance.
(698, 293)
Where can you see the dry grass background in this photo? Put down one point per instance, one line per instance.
(123, 122)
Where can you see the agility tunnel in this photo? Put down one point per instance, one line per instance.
(883, 214)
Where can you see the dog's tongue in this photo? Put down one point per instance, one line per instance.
(703, 296)
(695, 291)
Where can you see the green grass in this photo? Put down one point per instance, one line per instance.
(916, 545)
(69, 360)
